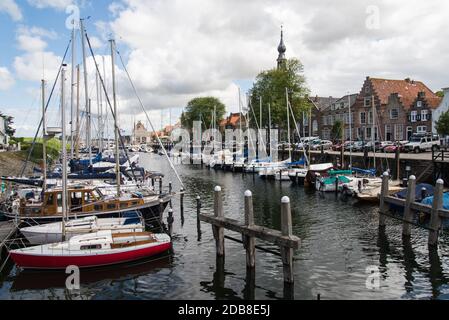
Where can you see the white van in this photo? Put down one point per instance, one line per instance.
(423, 142)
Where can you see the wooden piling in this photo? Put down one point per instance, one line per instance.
(218, 231)
(435, 219)
(170, 221)
(249, 242)
(160, 185)
(286, 228)
(383, 204)
(408, 213)
(198, 212)
(182, 202)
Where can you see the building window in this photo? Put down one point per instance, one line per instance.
(419, 104)
(368, 133)
(421, 129)
(388, 135)
(370, 117)
(394, 113)
(398, 132)
(367, 102)
(413, 116)
(367, 89)
(362, 117)
(424, 115)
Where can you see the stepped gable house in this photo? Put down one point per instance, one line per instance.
(401, 108)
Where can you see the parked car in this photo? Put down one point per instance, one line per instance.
(318, 144)
(385, 144)
(370, 145)
(358, 146)
(306, 142)
(423, 142)
(394, 147)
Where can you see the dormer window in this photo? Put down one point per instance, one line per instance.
(419, 104)
(367, 102)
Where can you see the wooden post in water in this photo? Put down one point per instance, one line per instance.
(160, 185)
(182, 201)
(435, 220)
(218, 231)
(384, 193)
(249, 243)
(170, 221)
(408, 213)
(198, 212)
(286, 252)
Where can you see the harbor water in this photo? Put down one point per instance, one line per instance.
(341, 247)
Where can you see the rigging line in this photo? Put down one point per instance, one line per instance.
(22, 172)
(110, 107)
(148, 119)
(257, 125)
(297, 129)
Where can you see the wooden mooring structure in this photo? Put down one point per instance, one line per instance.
(410, 206)
(250, 232)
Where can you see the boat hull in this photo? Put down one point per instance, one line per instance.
(55, 262)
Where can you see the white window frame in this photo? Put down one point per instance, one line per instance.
(421, 129)
(419, 104)
(413, 116)
(367, 102)
(424, 114)
(397, 113)
(360, 116)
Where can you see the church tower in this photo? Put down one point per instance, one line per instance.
(282, 49)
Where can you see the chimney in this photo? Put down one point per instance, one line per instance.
(407, 80)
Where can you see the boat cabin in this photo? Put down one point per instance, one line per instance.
(80, 200)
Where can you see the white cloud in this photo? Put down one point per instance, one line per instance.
(34, 66)
(6, 79)
(11, 8)
(180, 49)
(56, 4)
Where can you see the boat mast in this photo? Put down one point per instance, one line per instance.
(350, 131)
(64, 155)
(114, 95)
(44, 142)
(373, 136)
(86, 88)
(77, 111)
(72, 91)
(288, 126)
(269, 129)
(98, 111)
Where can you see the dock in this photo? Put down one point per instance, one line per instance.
(7, 230)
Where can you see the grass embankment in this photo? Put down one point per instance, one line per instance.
(53, 149)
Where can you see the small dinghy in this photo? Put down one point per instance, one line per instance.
(52, 232)
(98, 249)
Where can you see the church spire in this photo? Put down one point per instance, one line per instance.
(281, 49)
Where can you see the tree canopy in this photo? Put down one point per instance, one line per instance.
(270, 86)
(337, 130)
(442, 125)
(202, 108)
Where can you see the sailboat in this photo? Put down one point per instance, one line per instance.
(88, 250)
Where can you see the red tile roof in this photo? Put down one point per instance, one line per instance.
(407, 89)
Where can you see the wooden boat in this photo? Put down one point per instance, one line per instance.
(92, 250)
(370, 191)
(85, 201)
(52, 232)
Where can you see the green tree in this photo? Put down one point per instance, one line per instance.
(442, 125)
(440, 94)
(337, 130)
(202, 108)
(270, 86)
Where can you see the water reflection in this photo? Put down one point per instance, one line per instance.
(43, 280)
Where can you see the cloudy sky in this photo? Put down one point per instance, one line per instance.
(179, 49)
